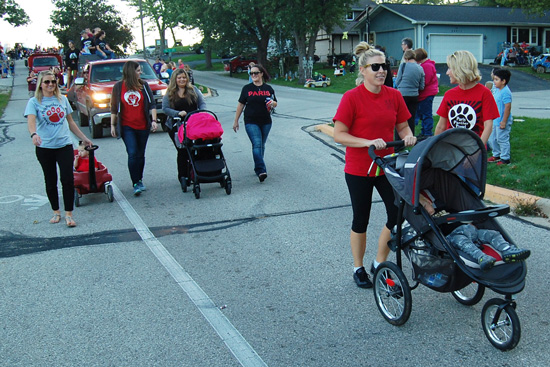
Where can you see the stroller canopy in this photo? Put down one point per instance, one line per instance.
(457, 151)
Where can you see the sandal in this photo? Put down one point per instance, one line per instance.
(56, 218)
(70, 222)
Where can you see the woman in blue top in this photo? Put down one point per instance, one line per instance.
(49, 121)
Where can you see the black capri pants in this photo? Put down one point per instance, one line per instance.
(49, 160)
(360, 191)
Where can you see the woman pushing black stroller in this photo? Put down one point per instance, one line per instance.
(450, 170)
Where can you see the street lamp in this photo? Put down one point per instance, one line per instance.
(142, 34)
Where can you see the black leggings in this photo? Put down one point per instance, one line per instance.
(49, 160)
(360, 191)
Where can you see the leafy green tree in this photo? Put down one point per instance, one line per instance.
(162, 13)
(12, 13)
(72, 16)
(314, 16)
(532, 6)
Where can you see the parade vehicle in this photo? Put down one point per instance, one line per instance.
(90, 94)
(44, 61)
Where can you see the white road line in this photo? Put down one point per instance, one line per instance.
(236, 343)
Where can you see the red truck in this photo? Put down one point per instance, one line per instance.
(43, 61)
(90, 94)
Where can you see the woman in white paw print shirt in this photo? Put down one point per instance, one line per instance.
(49, 121)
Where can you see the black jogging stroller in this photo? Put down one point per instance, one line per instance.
(200, 134)
(452, 168)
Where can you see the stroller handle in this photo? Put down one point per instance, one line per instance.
(389, 144)
(91, 147)
(199, 111)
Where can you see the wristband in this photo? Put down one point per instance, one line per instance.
(32, 135)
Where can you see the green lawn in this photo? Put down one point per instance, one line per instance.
(4, 99)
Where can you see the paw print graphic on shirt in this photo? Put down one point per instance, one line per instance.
(55, 114)
(462, 115)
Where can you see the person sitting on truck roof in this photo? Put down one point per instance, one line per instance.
(102, 46)
(71, 62)
(86, 43)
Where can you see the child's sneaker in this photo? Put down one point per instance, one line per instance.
(486, 262)
(514, 254)
(503, 162)
(493, 159)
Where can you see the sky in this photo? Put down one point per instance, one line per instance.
(37, 32)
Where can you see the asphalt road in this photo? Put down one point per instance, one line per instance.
(259, 277)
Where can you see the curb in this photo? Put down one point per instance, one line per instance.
(493, 193)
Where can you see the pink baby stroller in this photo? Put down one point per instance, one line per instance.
(200, 134)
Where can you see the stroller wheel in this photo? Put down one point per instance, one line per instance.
(228, 187)
(76, 198)
(470, 294)
(392, 293)
(197, 191)
(501, 324)
(110, 193)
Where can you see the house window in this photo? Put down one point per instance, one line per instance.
(529, 35)
(349, 16)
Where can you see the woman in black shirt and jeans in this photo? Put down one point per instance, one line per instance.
(258, 100)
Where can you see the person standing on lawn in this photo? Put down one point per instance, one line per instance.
(470, 105)
(500, 138)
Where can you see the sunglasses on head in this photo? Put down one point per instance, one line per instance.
(48, 82)
(255, 73)
(376, 67)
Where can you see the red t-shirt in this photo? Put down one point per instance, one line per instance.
(84, 164)
(468, 108)
(370, 116)
(132, 113)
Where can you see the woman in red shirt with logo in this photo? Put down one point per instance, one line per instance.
(367, 115)
(132, 106)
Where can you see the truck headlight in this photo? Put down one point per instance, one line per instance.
(101, 96)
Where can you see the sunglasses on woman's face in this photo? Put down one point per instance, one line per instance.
(255, 73)
(376, 67)
(48, 82)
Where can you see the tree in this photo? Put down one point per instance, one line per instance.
(315, 15)
(533, 6)
(13, 13)
(163, 13)
(72, 16)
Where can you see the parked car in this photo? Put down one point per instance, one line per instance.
(43, 61)
(238, 64)
(90, 94)
(542, 63)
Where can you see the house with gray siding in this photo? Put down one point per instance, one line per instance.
(443, 29)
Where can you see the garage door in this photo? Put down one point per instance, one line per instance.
(442, 45)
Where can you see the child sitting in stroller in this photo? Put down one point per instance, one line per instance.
(469, 239)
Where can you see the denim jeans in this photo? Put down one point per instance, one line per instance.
(258, 136)
(110, 54)
(424, 113)
(136, 142)
(500, 141)
(465, 237)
